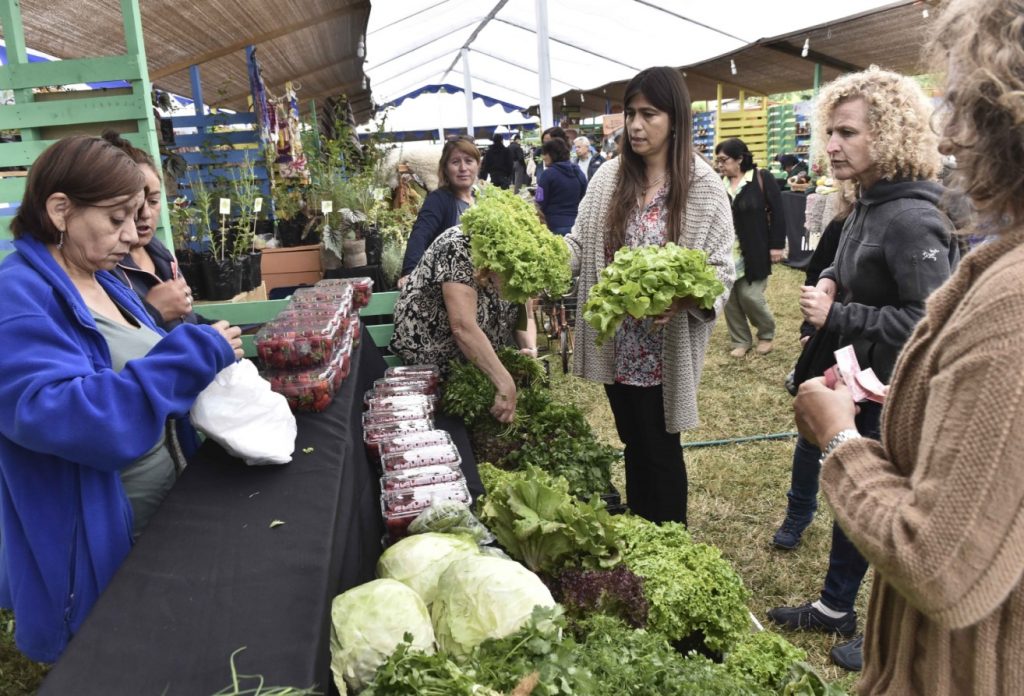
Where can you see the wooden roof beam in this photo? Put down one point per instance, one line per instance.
(256, 40)
(813, 56)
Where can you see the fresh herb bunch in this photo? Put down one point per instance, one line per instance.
(617, 592)
(540, 648)
(643, 282)
(539, 524)
(410, 672)
(764, 658)
(635, 662)
(506, 237)
(689, 586)
(469, 394)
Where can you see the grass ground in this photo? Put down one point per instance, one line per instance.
(738, 491)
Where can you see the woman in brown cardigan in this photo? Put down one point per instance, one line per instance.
(937, 506)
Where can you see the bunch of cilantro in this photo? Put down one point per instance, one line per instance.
(507, 237)
(643, 282)
(691, 589)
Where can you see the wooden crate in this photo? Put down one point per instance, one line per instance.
(288, 266)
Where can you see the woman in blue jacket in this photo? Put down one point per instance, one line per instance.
(457, 172)
(560, 187)
(94, 397)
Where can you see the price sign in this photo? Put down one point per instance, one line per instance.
(326, 207)
(257, 205)
(225, 206)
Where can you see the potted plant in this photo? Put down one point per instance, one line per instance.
(290, 212)
(183, 233)
(220, 273)
(244, 250)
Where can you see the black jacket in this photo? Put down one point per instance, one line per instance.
(440, 210)
(560, 189)
(756, 236)
(895, 249)
(497, 163)
(128, 272)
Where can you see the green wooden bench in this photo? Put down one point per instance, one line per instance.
(379, 311)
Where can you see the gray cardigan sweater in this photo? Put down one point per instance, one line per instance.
(707, 226)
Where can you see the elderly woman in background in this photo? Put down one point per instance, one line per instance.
(895, 249)
(657, 190)
(760, 226)
(560, 187)
(150, 268)
(94, 397)
(938, 505)
(450, 310)
(457, 172)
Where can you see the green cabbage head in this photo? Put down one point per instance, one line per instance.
(368, 622)
(419, 560)
(481, 597)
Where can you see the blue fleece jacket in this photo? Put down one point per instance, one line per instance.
(68, 424)
(440, 211)
(560, 189)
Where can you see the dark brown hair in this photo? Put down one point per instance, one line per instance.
(461, 143)
(86, 169)
(665, 89)
(556, 149)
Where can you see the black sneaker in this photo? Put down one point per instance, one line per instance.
(849, 655)
(807, 618)
(787, 537)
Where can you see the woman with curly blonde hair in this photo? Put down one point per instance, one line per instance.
(938, 505)
(894, 250)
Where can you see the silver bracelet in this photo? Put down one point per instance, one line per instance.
(839, 438)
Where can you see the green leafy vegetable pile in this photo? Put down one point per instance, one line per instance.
(690, 587)
(538, 523)
(507, 237)
(469, 394)
(618, 592)
(643, 282)
(764, 658)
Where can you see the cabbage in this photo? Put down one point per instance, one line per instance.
(481, 597)
(367, 624)
(419, 560)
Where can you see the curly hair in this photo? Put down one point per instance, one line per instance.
(982, 119)
(903, 145)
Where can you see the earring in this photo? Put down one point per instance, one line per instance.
(60, 244)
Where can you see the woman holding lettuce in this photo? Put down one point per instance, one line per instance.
(658, 190)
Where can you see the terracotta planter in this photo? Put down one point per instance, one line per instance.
(354, 253)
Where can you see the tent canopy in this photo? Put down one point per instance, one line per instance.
(412, 44)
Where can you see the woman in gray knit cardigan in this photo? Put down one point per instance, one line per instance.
(656, 191)
(937, 506)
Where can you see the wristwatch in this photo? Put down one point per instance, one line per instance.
(839, 438)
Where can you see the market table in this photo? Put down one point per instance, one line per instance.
(211, 575)
(794, 206)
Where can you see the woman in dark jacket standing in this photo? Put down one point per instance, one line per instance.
(497, 163)
(560, 187)
(761, 233)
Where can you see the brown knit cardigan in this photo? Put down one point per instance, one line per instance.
(707, 225)
(938, 506)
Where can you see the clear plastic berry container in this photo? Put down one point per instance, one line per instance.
(339, 297)
(394, 402)
(420, 476)
(306, 390)
(323, 314)
(375, 418)
(430, 373)
(384, 386)
(422, 456)
(357, 326)
(400, 508)
(362, 290)
(378, 392)
(411, 441)
(296, 343)
(375, 434)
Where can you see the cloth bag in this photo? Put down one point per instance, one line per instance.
(240, 412)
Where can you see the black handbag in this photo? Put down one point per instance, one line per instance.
(817, 356)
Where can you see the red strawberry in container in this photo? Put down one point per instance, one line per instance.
(433, 455)
(418, 477)
(373, 435)
(410, 441)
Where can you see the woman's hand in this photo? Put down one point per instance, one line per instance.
(402, 281)
(679, 304)
(231, 334)
(776, 255)
(822, 412)
(172, 298)
(815, 304)
(504, 408)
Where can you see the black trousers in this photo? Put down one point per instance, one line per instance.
(656, 486)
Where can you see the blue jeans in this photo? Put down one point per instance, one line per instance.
(846, 567)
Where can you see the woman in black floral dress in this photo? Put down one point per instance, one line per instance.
(449, 310)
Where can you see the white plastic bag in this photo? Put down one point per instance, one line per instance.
(239, 411)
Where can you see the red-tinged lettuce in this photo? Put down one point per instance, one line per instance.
(643, 282)
(507, 237)
(616, 592)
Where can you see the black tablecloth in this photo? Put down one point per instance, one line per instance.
(211, 575)
(794, 206)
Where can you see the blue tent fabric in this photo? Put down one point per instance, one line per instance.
(452, 89)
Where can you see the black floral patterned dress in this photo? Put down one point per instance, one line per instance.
(423, 333)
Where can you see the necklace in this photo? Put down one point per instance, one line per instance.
(654, 183)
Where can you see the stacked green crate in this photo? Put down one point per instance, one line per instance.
(781, 130)
(704, 133)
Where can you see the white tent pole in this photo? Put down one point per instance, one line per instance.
(440, 118)
(467, 83)
(544, 65)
